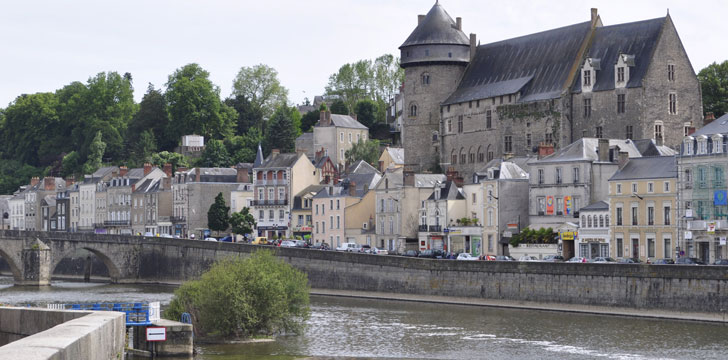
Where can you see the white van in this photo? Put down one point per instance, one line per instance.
(349, 246)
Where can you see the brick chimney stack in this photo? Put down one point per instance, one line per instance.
(123, 170)
(352, 189)
(168, 169)
(147, 168)
(603, 150)
(459, 23)
(709, 117)
(325, 118)
(545, 149)
(473, 45)
(70, 180)
(49, 183)
(594, 15)
(275, 152)
(34, 181)
(197, 174)
(242, 175)
(409, 177)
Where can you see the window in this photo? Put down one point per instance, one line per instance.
(583, 221)
(634, 215)
(470, 104)
(481, 156)
(559, 206)
(549, 138)
(349, 137)
(454, 158)
(634, 188)
(575, 172)
(490, 155)
(449, 125)
(462, 157)
(540, 176)
(331, 221)
(666, 248)
(620, 104)
(650, 187)
(658, 130)
(271, 215)
(666, 186)
(666, 215)
(541, 205)
(672, 98)
(587, 77)
(671, 72)
(281, 214)
(471, 157)
(460, 123)
(488, 119)
(425, 79)
(606, 220)
(331, 204)
(558, 175)
(620, 74)
(528, 140)
(718, 180)
(619, 188)
(598, 132)
(508, 144)
(587, 108)
(316, 209)
(338, 222)
(620, 247)
(413, 112)
(601, 221)
(477, 103)
(628, 132)
(341, 137)
(589, 221)
(650, 215)
(650, 247)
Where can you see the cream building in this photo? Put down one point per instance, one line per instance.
(336, 134)
(391, 158)
(642, 203)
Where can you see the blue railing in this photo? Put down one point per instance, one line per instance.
(137, 314)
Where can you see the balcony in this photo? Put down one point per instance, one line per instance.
(271, 182)
(422, 228)
(116, 222)
(435, 228)
(177, 219)
(269, 202)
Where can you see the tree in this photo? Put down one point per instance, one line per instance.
(144, 148)
(364, 150)
(364, 79)
(242, 222)
(14, 173)
(195, 106)
(30, 128)
(260, 86)
(217, 216)
(165, 157)
(339, 107)
(249, 116)
(281, 133)
(244, 297)
(71, 164)
(714, 86)
(96, 154)
(152, 116)
(215, 155)
(366, 112)
(309, 120)
(243, 148)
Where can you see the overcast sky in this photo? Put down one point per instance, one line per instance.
(48, 44)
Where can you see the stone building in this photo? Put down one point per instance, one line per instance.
(466, 104)
(333, 135)
(593, 239)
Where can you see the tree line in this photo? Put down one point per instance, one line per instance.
(85, 125)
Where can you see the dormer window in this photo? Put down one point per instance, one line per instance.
(587, 77)
(702, 145)
(620, 74)
(688, 145)
(658, 130)
(622, 70)
(717, 144)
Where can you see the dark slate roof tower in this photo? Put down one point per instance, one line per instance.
(258, 157)
(434, 57)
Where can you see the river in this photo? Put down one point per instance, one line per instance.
(359, 328)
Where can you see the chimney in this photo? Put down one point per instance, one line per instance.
(419, 19)
(709, 117)
(545, 149)
(691, 130)
(352, 189)
(123, 170)
(603, 150)
(197, 174)
(594, 15)
(459, 23)
(181, 169)
(472, 46)
(623, 159)
(49, 183)
(34, 181)
(242, 176)
(70, 180)
(451, 173)
(147, 168)
(658, 141)
(507, 156)
(166, 183)
(354, 116)
(458, 181)
(168, 169)
(409, 178)
(274, 153)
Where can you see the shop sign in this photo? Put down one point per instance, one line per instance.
(549, 205)
(688, 235)
(710, 226)
(722, 241)
(513, 226)
(507, 234)
(568, 235)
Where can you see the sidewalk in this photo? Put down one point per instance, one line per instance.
(528, 305)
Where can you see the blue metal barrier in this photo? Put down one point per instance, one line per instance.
(137, 314)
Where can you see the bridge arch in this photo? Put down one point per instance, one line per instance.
(114, 272)
(14, 268)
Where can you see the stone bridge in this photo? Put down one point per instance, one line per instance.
(134, 259)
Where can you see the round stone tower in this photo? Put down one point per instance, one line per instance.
(434, 58)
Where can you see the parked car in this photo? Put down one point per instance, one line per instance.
(411, 253)
(148, 233)
(365, 249)
(628, 260)
(504, 258)
(689, 261)
(721, 262)
(379, 251)
(528, 258)
(301, 244)
(431, 254)
(603, 259)
(466, 256)
(168, 236)
(288, 243)
(349, 247)
(577, 259)
(664, 262)
(553, 258)
(320, 246)
(487, 257)
(260, 241)
(210, 239)
(225, 239)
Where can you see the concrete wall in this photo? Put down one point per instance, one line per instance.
(56, 334)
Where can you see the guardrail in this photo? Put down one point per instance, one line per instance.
(137, 314)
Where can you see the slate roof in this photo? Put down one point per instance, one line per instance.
(449, 192)
(538, 65)
(635, 38)
(258, 157)
(361, 167)
(279, 161)
(437, 28)
(369, 179)
(597, 206)
(213, 175)
(657, 167)
(320, 163)
(428, 180)
(397, 155)
(647, 147)
(717, 126)
(506, 169)
(586, 149)
(346, 121)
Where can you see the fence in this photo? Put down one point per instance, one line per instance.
(137, 314)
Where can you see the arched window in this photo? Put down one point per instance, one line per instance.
(583, 221)
(462, 156)
(454, 157)
(425, 78)
(481, 156)
(589, 221)
(606, 220)
(471, 156)
(413, 110)
(601, 221)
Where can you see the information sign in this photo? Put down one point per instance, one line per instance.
(156, 333)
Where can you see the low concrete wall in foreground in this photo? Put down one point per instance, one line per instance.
(31, 333)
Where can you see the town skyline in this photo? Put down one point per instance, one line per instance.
(54, 47)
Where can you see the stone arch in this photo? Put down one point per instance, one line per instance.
(453, 157)
(114, 272)
(413, 109)
(481, 156)
(14, 266)
(463, 160)
(471, 155)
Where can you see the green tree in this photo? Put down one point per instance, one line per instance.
(339, 107)
(714, 86)
(96, 154)
(281, 133)
(364, 79)
(71, 164)
(259, 84)
(366, 112)
(309, 120)
(217, 216)
(144, 148)
(364, 150)
(30, 127)
(243, 148)
(14, 173)
(165, 157)
(242, 222)
(249, 116)
(152, 116)
(244, 297)
(215, 155)
(195, 106)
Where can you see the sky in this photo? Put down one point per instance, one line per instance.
(48, 44)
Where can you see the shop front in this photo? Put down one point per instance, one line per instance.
(465, 239)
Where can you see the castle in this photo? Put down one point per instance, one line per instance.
(466, 104)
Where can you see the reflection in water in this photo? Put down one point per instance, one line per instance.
(344, 327)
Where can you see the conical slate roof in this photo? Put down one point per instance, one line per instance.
(258, 157)
(437, 28)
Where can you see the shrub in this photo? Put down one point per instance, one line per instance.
(244, 297)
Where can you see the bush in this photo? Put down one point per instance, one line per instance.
(530, 236)
(244, 297)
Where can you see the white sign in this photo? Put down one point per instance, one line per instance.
(688, 235)
(722, 240)
(154, 314)
(507, 234)
(156, 333)
(689, 213)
